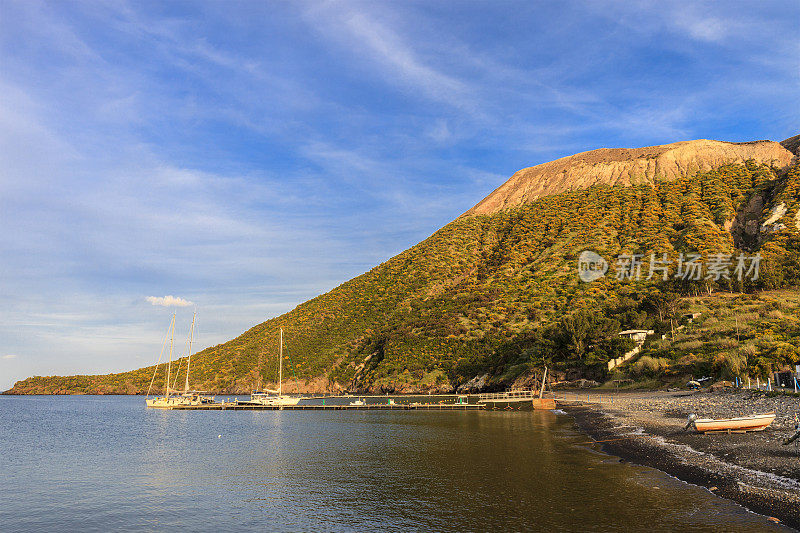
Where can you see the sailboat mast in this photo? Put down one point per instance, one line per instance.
(280, 366)
(544, 377)
(189, 361)
(171, 342)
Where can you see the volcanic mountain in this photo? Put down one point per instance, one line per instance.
(495, 293)
(627, 166)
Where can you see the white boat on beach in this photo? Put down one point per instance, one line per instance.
(732, 425)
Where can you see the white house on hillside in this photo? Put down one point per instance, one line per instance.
(638, 335)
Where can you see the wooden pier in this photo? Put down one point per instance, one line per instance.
(243, 406)
(506, 401)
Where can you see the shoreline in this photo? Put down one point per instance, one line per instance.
(752, 469)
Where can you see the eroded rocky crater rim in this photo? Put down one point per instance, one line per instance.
(627, 166)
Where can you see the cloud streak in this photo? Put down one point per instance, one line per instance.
(168, 301)
(401, 62)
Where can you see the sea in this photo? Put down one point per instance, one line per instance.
(106, 463)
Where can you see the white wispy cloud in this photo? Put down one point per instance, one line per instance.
(168, 301)
(403, 64)
(9, 356)
(399, 60)
(703, 28)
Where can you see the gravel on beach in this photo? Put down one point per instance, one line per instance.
(754, 469)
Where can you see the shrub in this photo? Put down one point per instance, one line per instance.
(690, 345)
(660, 344)
(648, 366)
(748, 350)
(733, 364)
(727, 343)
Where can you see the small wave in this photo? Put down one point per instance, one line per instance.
(676, 446)
(769, 477)
(762, 479)
(635, 432)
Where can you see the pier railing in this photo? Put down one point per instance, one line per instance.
(515, 394)
(584, 397)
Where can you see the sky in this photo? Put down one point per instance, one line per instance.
(239, 158)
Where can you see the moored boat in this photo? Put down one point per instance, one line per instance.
(174, 398)
(544, 403)
(188, 398)
(275, 397)
(269, 397)
(732, 425)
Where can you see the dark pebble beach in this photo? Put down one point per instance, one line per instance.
(754, 469)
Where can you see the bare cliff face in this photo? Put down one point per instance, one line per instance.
(626, 166)
(792, 144)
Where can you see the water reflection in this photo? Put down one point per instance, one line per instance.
(115, 465)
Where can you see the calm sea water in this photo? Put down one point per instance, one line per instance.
(107, 463)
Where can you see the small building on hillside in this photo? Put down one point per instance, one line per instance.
(638, 335)
(688, 318)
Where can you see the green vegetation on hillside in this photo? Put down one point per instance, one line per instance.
(499, 294)
(735, 335)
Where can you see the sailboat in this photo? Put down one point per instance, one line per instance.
(173, 398)
(276, 397)
(541, 402)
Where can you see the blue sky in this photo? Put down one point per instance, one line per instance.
(246, 156)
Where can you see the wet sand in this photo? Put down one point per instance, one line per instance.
(754, 469)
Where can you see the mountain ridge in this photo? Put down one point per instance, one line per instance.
(626, 166)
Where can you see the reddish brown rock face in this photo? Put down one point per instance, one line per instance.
(626, 166)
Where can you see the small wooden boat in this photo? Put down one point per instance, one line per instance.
(733, 425)
(544, 403)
